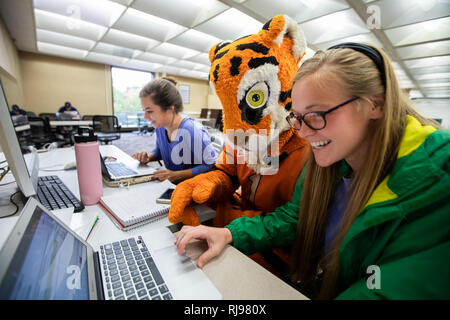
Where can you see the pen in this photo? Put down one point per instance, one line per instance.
(92, 227)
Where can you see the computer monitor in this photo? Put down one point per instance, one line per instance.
(10, 146)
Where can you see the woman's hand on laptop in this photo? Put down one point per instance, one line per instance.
(143, 157)
(217, 239)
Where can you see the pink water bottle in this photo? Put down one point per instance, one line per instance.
(87, 155)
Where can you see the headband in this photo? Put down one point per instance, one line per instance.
(369, 51)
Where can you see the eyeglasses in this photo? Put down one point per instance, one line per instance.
(315, 120)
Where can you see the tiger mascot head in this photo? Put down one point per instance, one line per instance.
(252, 78)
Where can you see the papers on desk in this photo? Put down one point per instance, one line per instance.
(133, 208)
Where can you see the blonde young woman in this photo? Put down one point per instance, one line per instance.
(370, 215)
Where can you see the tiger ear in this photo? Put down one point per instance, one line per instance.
(281, 26)
(215, 48)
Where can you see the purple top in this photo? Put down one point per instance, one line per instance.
(337, 211)
(191, 149)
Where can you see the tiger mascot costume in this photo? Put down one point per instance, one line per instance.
(252, 78)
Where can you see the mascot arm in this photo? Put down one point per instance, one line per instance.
(212, 187)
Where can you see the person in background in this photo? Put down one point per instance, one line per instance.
(183, 143)
(369, 217)
(68, 108)
(16, 111)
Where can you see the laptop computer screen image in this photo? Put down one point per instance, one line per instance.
(44, 259)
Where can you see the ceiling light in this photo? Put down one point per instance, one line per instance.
(67, 25)
(101, 12)
(53, 49)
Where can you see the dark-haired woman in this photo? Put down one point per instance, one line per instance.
(181, 142)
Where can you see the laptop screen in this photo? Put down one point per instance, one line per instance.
(49, 263)
(10, 145)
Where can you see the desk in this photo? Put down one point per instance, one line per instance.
(22, 128)
(68, 123)
(235, 275)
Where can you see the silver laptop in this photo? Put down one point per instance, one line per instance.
(44, 259)
(115, 172)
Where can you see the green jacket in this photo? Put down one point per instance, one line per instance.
(404, 229)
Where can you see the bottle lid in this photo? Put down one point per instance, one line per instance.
(82, 137)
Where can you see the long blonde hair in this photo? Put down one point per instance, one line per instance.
(357, 75)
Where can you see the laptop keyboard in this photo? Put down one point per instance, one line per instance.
(54, 194)
(129, 272)
(118, 169)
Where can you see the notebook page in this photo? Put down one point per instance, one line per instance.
(133, 205)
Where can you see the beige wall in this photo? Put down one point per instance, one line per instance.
(50, 81)
(10, 68)
(198, 93)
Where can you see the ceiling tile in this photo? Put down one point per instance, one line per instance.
(428, 62)
(196, 40)
(106, 59)
(189, 65)
(123, 2)
(64, 40)
(174, 51)
(221, 27)
(368, 38)
(437, 86)
(156, 58)
(433, 81)
(146, 25)
(142, 65)
(188, 13)
(116, 50)
(433, 76)
(431, 30)
(344, 24)
(202, 58)
(53, 49)
(195, 74)
(101, 12)
(132, 41)
(430, 70)
(299, 10)
(171, 70)
(425, 50)
(62, 24)
(402, 12)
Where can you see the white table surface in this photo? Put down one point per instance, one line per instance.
(234, 274)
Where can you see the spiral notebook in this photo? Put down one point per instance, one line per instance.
(131, 209)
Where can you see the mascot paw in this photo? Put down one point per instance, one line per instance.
(188, 217)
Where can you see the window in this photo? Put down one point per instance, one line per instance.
(126, 85)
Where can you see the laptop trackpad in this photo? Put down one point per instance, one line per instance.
(180, 273)
(183, 277)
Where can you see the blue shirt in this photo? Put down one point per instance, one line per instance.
(191, 149)
(340, 202)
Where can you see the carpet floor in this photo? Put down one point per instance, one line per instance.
(131, 143)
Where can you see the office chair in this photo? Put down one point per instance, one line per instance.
(107, 128)
(204, 113)
(50, 116)
(216, 114)
(88, 117)
(144, 126)
(40, 132)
